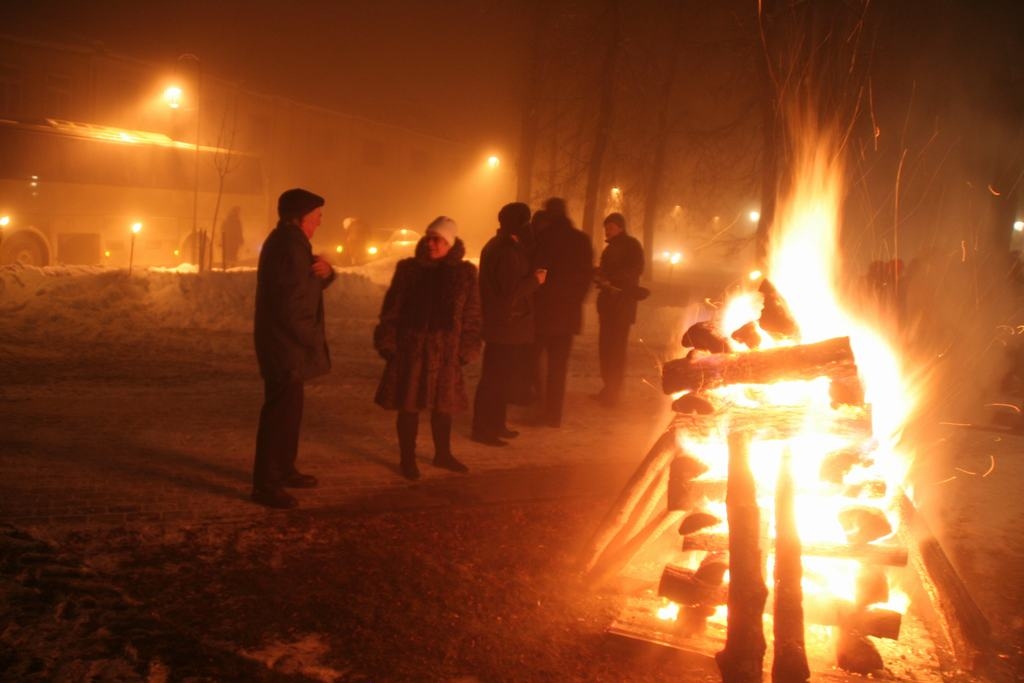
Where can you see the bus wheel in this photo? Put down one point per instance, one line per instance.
(24, 249)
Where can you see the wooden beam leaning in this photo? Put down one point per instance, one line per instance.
(830, 358)
(637, 489)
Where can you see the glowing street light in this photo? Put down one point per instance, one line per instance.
(755, 216)
(5, 221)
(493, 161)
(1018, 226)
(136, 229)
(616, 192)
(172, 96)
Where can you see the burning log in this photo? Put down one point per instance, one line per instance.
(847, 391)
(682, 471)
(705, 337)
(789, 664)
(713, 568)
(748, 334)
(831, 358)
(776, 318)
(863, 524)
(741, 659)
(695, 521)
(692, 404)
(872, 621)
(664, 450)
(857, 654)
(682, 586)
(888, 555)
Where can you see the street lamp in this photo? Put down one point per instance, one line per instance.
(754, 216)
(136, 229)
(493, 161)
(1018, 226)
(173, 97)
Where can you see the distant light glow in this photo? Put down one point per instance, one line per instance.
(339, 249)
(1018, 226)
(5, 221)
(665, 255)
(177, 252)
(136, 228)
(493, 161)
(755, 275)
(616, 191)
(372, 251)
(107, 253)
(173, 96)
(676, 258)
(755, 216)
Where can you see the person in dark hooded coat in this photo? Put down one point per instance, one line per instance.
(429, 328)
(568, 257)
(507, 284)
(291, 346)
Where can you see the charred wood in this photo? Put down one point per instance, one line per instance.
(712, 568)
(830, 358)
(695, 521)
(705, 336)
(681, 473)
(682, 586)
(611, 563)
(742, 658)
(864, 523)
(748, 334)
(872, 621)
(857, 654)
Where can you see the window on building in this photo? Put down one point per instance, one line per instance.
(58, 96)
(10, 90)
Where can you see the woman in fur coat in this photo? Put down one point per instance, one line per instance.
(429, 328)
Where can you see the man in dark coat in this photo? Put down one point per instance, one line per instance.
(618, 281)
(506, 297)
(290, 342)
(568, 257)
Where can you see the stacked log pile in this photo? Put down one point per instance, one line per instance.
(669, 490)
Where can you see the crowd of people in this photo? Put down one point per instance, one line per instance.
(519, 311)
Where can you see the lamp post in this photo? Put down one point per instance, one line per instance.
(136, 229)
(195, 183)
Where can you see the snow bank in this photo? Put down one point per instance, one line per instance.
(98, 303)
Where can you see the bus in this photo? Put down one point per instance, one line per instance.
(71, 193)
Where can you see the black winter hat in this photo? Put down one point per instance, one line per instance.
(617, 219)
(296, 203)
(514, 216)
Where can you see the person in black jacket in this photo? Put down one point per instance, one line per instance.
(618, 281)
(568, 257)
(291, 346)
(506, 297)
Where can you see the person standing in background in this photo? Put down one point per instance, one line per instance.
(618, 281)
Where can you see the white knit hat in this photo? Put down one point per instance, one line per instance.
(445, 228)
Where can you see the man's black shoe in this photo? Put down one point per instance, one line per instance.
(274, 498)
(448, 462)
(409, 470)
(506, 433)
(488, 440)
(300, 481)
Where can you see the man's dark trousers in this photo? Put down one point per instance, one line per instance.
(613, 338)
(555, 350)
(277, 439)
(500, 363)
